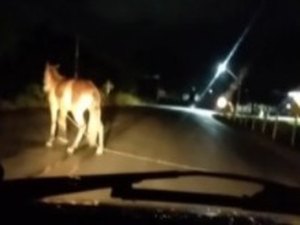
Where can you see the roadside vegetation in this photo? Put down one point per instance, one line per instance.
(33, 96)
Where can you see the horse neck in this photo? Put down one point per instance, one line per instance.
(56, 78)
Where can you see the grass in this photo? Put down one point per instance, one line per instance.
(125, 99)
(32, 97)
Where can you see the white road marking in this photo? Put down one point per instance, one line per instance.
(156, 161)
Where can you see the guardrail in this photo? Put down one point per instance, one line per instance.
(279, 128)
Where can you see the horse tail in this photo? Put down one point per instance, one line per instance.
(94, 123)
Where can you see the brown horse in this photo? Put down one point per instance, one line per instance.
(75, 96)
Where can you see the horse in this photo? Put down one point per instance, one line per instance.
(75, 96)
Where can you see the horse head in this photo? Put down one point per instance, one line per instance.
(51, 76)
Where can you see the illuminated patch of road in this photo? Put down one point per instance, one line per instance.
(194, 110)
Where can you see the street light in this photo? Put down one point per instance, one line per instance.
(222, 68)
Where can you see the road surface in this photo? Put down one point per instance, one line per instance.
(142, 139)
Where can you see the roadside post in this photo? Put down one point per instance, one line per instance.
(294, 111)
(275, 127)
(265, 119)
(294, 131)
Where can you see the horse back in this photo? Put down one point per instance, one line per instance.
(71, 91)
(82, 88)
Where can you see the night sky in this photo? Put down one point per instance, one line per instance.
(182, 40)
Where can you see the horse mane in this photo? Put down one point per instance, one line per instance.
(55, 73)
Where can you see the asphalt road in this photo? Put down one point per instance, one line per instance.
(141, 139)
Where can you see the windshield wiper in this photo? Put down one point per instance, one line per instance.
(273, 197)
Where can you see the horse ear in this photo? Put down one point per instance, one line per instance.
(47, 64)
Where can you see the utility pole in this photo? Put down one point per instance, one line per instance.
(238, 96)
(239, 82)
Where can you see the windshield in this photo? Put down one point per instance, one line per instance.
(117, 87)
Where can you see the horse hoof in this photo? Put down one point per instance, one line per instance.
(99, 152)
(70, 151)
(49, 144)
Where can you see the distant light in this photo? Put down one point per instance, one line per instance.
(222, 102)
(196, 98)
(185, 97)
(192, 106)
(292, 94)
(210, 91)
(288, 106)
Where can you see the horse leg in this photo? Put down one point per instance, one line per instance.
(99, 150)
(62, 126)
(78, 116)
(53, 112)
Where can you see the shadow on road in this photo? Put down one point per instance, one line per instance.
(115, 125)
